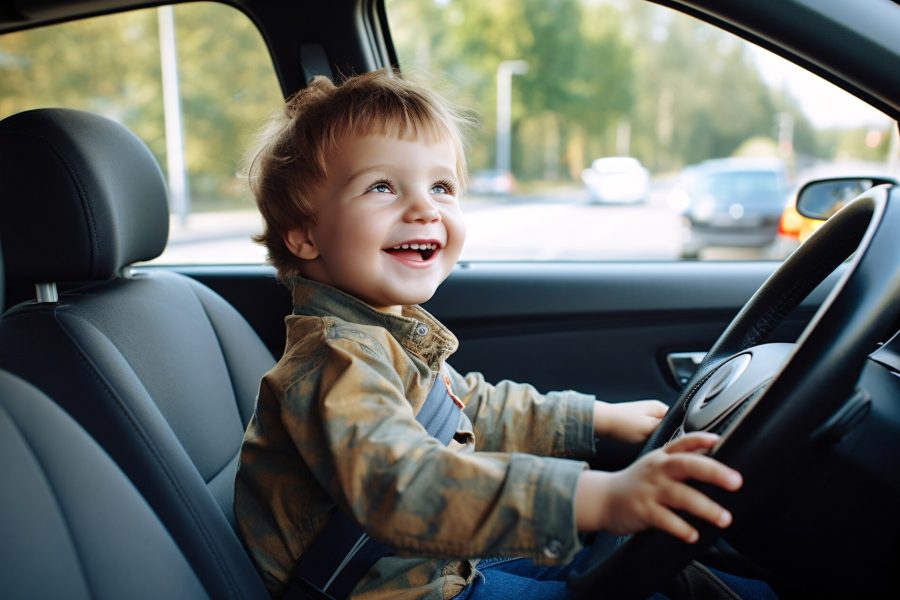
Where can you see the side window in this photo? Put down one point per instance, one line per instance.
(194, 81)
(648, 136)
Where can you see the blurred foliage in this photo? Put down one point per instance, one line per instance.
(111, 65)
(637, 79)
(576, 84)
(605, 77)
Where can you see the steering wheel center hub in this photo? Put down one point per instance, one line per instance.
(732, 383)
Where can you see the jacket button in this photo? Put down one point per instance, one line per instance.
(554, 549)
(421, 330)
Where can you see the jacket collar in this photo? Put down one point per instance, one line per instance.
(415, 329)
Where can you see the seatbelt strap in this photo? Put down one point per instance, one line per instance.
(342, 553)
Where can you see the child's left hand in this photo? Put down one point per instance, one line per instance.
(628, 421)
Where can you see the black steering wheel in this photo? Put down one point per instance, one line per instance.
(770, 402)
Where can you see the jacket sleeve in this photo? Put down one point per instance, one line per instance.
(362, 443)
(514, 417)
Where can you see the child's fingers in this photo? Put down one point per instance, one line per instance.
(683, 497)
(652, 408)
(684, 466)
(665, 520)
(692, 442)
(648, 424)
(657, 409)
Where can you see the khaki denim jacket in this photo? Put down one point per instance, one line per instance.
(335, 429)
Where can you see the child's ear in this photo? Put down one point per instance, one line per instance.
(299, 241)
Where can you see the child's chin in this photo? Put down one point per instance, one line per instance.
(415, 299)
(414, 296)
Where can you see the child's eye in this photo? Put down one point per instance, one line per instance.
(381, 187)
(443, 187)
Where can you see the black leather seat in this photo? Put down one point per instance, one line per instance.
(72, 525)
(160, 370)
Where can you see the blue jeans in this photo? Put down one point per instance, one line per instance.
(521, 579)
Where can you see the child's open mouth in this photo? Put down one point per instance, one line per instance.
(415, 251)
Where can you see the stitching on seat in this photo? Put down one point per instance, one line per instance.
(222, 470)
(234, 390)
(185, 499)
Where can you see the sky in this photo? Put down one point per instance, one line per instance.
(825, 104)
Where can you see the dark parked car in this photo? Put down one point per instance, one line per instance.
(126, 382)
(733, 202)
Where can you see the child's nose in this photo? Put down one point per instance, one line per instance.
(421, 208)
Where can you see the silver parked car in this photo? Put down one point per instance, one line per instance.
(616, 180)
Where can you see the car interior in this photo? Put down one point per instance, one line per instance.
(126, 386)
(66, 504)
(171, 368)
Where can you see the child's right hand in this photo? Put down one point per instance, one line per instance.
(648, 492)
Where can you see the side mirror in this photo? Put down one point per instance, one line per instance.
(822, 198)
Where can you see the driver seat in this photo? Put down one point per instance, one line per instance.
(159, 369)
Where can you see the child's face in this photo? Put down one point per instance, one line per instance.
(388, 223)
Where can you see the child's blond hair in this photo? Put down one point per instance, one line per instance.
(291, 160)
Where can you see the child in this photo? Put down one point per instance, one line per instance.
(359, 188)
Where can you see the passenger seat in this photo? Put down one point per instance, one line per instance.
(159, 369)
(71, 524)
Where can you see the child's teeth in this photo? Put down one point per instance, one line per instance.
(415, 247)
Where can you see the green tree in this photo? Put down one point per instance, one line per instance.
(701, 96)
(228, 88)
(575, 87)
(111, 65)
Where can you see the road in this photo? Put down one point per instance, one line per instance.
(562, 225)
(554, 225)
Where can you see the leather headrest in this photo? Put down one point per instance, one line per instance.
(80, 197)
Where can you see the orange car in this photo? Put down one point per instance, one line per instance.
(795, 226)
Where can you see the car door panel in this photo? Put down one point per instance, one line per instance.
(602, 328)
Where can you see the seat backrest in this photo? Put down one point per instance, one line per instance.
(71, 524)
(159, 369)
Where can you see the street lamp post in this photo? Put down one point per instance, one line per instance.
(177, 180)
(505, 70)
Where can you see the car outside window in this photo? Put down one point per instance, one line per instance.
(612, 130)
(583, 144)
(194, 81)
